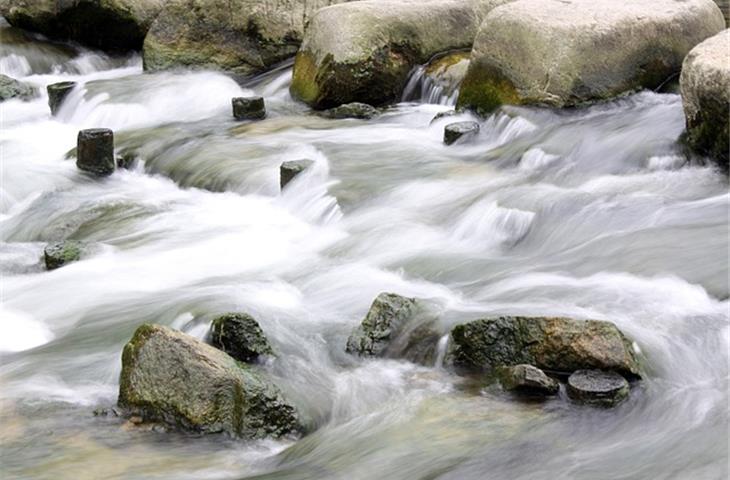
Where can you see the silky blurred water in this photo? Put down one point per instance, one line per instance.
(590, 213)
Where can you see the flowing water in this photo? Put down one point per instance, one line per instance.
(589, 213)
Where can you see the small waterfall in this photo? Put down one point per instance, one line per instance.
(424, 88)
(441, 351)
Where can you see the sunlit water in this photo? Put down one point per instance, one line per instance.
(587, 213)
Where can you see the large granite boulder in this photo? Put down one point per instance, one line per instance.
(170, 377)
(243, 37)
(560, 345)
(705, 88)
(105, 24)
(568, 52)
(396, 327)
(363, 51)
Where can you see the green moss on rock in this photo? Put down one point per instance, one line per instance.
(58, 254)
(240, 336)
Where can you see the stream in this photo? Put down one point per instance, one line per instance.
(585, 213)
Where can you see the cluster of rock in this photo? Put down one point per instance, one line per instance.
(523, 353)
(177, 380)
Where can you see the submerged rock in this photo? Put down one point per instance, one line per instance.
(243, 37)
(395, 327)
(12, 88)
(290, 169)
(556, 344)
(705, 88)
(358, 110)
(58, 254)
(596, 387)
(567, 53)
(57, 93)
(240, 336)
(456, 131)
(170, 377)
(364, 51)
(439, 80)
(95, 151)
(526, 379)
(248, 108)
(106, 24)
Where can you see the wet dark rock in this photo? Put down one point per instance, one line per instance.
(173, 378)
(248, 108)
(58, 254)
(526, 379)
(127, 160)
(95, 151)
(454, 132)
(446, 114)
(358, 110)
(57, 93)
(291, 169)
(12, 88)
(109, 24)
(598, 388)
(240, 336)
(559, 345)
(396, 327)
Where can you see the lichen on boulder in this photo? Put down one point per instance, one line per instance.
(705, 89)
(560, 345)
(12, 88)
(396, 327)
(58, 254)
(560, 53)
(173, 378)
(364, 51)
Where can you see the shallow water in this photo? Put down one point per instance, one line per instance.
(589, 213)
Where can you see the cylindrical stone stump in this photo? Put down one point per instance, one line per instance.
(95, 151)
(248, 108)
(57, 93)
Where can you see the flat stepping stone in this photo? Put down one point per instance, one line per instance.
(597, 387)
(456, 131)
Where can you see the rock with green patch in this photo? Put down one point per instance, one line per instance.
(705, 88)
(364, 51)
(560, 345)
(242, 37)
(171, 377)
(597, 388)
(559, 53)
(527, 380)
(12, 88)
(105, 24)
(290, 169)
(57, 93)
(58, 254)
(240, 336)
(358, 110)
(442, 77)
(396, 327)
(457, 131)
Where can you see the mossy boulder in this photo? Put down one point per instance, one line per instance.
(242, 37)
(364, 51)
(396, 327)
(560, 345)
(705, 88)
(559, 53)
(105, 24)
(527, 380)
(58, 254)
(171, 377)
(240, 336)
(12, 88)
